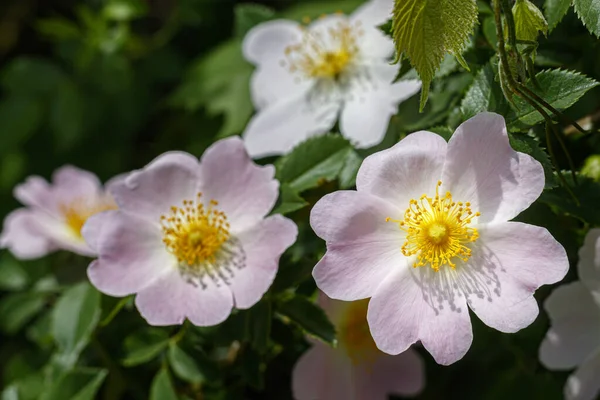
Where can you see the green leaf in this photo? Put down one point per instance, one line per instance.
(248, 15)
(78, 384)
(162, 387)
(289, 201)
(314, 9)
(426, 30)
(591, 167)
(528, 145)
(258, 325)
(124, 10)
(309, 316)
(31, 76)
(555, 11)
(184, 365)
(18, 309)
(74, 317)
(252, 367)
(144, 345)
(58, 29)
(319, 159)
(560, 88)
(484, 94)
(588, 194)
(529, 20)
(66, 115)
(12, 275)
(20, 117)
(589, 13)
(350, 170)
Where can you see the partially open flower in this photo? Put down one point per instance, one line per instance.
(426, 235)
(308, 75)
(55, 213)
(356, 369)
(190, 238)
(573, 340)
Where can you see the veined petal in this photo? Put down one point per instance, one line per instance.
(588, 266)
(421, 304)
(510, 261)
(483, 169)
(575, 327)
(276, 129)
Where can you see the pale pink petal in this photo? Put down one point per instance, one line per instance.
(510, 261)
(406, 171)
(482, 168)
(588, 266)
(131, 254)
(575, 327)
(36, 192)
(584, 383)
(162, 184)
(420, 304)
(402, 375)
(71, 183)
(362, 248)
(366, 114)
(263, 245)
(278, 128)
(171, 299)
(323, 373)
(246, 192)
(266, 42)
(21, 235)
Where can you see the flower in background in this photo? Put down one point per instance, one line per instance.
(426, 234)
(55, 213)
(574, 337)
(191, 238)
(308, 75)
(356, 369)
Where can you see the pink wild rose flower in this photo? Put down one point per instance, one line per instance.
(356, 369)
(191, 238)
(427, 236)
(55, 213)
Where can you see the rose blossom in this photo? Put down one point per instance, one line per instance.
(426, 234)
(191, 238)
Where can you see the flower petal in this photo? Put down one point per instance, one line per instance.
(131, 254)
(70, 183)
(36, 192)
(21, 235)
(483, 169)
(588, 266)
(405, 171)
(171, 299)
(419, 304)
(273, 82)
(362, 248)
(365, 116)
(402, 375)
(510, 261)
(322, 373)
(246, 192)
(575, 327)
(372, 42)
(266, 42)
(584, 383)
(278, 128)
(153, 190)
(263, 245)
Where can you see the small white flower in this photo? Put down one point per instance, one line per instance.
(574, 337)
(308, 75)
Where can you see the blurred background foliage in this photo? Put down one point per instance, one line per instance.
(107, 85)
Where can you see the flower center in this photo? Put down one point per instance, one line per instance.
(438, 230)
(198, 236)
(77, 213)
(355, 335)
(324, 53)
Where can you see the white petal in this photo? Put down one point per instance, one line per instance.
(372, 42)
(267, 41)
(276, 129)
(588, 266)
(482, 168)
(273, 82)
(584, 384)
(575, 327)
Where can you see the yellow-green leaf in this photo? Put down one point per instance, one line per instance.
(529, 21)
(426, 30)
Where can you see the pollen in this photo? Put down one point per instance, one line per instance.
(438, 230)
(77, 212)
(324, 53)
(354, 333)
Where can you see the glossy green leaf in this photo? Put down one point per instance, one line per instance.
(162, 387)
(183, 365)
(289, 201)
(78, 384)
(555, 11)
(484, 94)
(19, 308)
(589, 13)
(12, 275)
(144, 345)
(309, 316)
(529, 20)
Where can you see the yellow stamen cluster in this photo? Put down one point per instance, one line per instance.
(437, 230)
(324, 54)
(77, 212)
(354, 333)
(195, 233)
